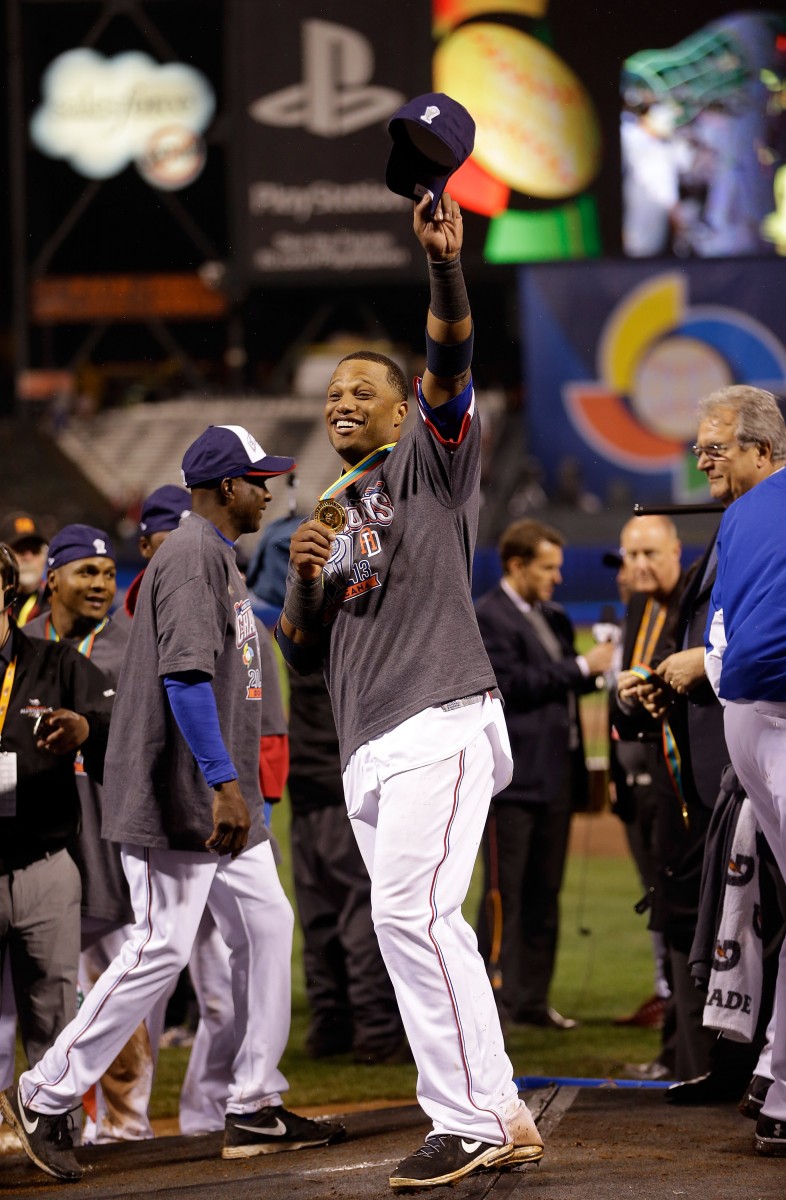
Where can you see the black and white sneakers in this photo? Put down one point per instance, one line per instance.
(45, 1139)
(272, 1129)
(770, 1137)
(444, 1158)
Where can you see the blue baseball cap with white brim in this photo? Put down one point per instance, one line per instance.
(227, 452)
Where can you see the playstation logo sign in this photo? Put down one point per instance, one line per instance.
(336, 96)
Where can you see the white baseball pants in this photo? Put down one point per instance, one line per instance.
(169, 892)
(418, 823)
(204, 1093)
(756, 738)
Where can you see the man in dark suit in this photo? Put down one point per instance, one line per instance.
(530, 643)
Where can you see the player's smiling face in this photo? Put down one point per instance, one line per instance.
(84, 589)
(363, 410)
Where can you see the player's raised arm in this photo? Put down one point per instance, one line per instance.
(449, 333)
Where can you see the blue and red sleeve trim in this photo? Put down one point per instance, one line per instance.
(449, 423)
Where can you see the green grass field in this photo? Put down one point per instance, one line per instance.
(604, 970)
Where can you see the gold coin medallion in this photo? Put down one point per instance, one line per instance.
(332, 514)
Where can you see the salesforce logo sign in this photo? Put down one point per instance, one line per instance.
(101, 114)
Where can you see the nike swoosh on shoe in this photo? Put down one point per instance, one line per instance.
(277, 1130)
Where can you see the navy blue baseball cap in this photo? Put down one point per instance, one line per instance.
(432, 136)
(226, 452)
(163, 510)
(78, 541)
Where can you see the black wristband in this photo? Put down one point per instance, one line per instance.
(449, 300)
(448, 361)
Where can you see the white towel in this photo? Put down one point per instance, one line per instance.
(734, 993)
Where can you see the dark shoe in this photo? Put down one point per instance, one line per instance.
(445, 1158)
(704, 1089)
(548, 1018)
(272, 1129)
(648, 1015)
(770, 1137)
(45, 1139)
(755, 1093)
(653, 1072)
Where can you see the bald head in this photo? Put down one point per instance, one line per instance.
(651, 552)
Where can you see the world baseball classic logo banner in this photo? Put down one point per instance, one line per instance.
(316, 86)
(617, 356)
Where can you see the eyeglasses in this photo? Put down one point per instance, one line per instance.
(713, 450)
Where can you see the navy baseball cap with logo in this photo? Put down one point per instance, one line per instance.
(432, 136)
(226, 452)
(164, 509)
(73, 542)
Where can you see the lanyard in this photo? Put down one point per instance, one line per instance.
(5, 693)
(649, 632)
(86, 645)
(359, 470)
(26, 609)
(671, 752)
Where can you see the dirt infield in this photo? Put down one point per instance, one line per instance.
(607, 1143)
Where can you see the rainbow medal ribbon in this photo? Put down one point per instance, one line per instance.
(670, 750)
(328, 510)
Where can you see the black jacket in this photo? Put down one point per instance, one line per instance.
(535, 689)
(697, 719)
(639, 724)
(49, 675)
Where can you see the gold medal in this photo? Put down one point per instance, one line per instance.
(332, 514)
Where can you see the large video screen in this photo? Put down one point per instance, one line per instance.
(703, 142)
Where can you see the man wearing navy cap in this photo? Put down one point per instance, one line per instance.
(183, 799)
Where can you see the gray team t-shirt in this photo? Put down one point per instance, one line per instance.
(193, 614)
(405, 635)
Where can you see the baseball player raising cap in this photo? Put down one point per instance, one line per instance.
(417, 716)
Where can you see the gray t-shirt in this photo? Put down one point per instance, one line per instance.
(193, 614)
(404, 635)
